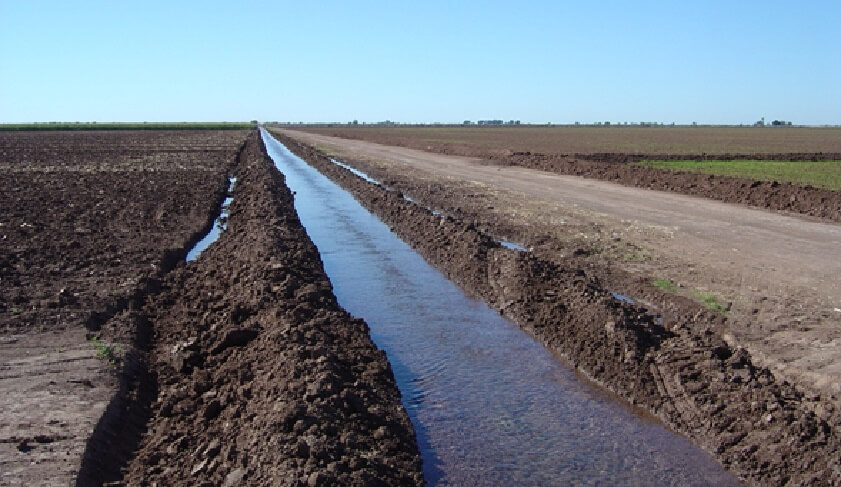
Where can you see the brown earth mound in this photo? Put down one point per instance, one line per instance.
(675, 363)
(262, 377)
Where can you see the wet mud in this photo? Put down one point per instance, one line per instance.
(674, 363)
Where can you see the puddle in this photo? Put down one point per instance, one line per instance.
(355, 171)
(490, 405)
(219, 225)
(437, 213)
(513, 246)
(402, 195)
(622, 297)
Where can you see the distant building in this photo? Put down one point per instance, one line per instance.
(497, 122)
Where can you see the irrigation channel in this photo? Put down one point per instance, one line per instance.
(490, 405)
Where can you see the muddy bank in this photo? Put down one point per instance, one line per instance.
(90, 222)
(680, 368)
(262, 378)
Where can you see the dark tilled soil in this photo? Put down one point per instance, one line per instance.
(262, 377)
(679, 368)
(85, 216)
(90, 222)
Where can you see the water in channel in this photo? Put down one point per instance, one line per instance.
(490, 405)
(218, 227)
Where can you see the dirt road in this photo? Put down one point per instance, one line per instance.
(776, 273)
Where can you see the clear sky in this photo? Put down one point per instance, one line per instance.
(421, 61)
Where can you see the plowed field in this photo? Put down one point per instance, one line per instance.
(90, 220)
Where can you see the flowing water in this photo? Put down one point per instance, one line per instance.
(490, 405)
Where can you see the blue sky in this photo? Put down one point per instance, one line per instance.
(421, 61)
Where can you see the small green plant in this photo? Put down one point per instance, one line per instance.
(710, 301)
(665, 285)
(105, 351)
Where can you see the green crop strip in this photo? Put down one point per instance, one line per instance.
(821, 174)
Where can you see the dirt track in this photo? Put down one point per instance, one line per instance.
(777, 273)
